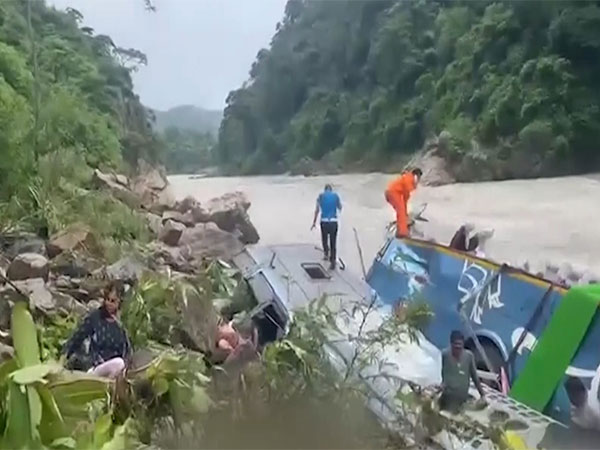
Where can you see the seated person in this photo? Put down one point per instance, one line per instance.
(585, 409)
(109, 346)
(231, 343)
(464, 239)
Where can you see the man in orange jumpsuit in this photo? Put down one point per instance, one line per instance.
(397, 194)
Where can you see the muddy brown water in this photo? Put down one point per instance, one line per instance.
(553, 219)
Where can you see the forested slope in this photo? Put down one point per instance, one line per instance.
(514, 84)
(66, 105)
(189, 117)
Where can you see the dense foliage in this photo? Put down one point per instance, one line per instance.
(187, 151)
(369, 81)
(189, 117)
(66, 105)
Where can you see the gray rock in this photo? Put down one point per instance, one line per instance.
(120, 192)
(199, 319)
(177, 258)
(94, 304)
(128, 269)
(122, 180)
(186, 219)
(200, 214)
(6, 352)
(31, 244)
(65, 304)
(229, 212)
(74, 264)
(207, 240)
(186, 204)
(40, 297)
(171, 232)
(75, 237)
(28, 265)
(154, 222)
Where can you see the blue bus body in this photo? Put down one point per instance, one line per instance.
(498, 314)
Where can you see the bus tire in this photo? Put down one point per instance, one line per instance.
(494, 356)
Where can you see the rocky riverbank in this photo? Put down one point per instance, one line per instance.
(182, 298)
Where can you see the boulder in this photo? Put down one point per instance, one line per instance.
(186, 219)
(152, 188)
(6, 352)
(5, 307)
(27, 244)
(128, 270)
(186, 204)
(4, 263)
(199, 319)
(207, 240)
(154, 222)
(200, 214)
(75, 237)
(435, 168)
(28, 265)
(177, 258)
(171, 232)
(122, 180)
(118, 190)
(229, 212)
(40, 297)
(94, 304)
(74, 264)
(66, 305)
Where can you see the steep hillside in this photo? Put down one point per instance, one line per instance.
(363, 83)
(189, 117)
(66, 106)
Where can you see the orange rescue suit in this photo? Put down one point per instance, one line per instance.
(397, 194)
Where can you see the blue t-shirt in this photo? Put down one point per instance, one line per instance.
(329, 202)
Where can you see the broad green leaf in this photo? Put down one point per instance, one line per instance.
(35, 373)
(74, 392)
(24, 335)
(52, 426)
(19, 424)
(62, 443)
(6, 368)
(201, 402)
(35, 411)
(123, 437)
(160, 386)
(102, 429)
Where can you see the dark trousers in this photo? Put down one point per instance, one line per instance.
(329, 239)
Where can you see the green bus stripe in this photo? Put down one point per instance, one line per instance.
(556, 347)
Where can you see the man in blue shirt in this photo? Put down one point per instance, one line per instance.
(328, 204)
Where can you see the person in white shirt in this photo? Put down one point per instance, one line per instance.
(585, 407)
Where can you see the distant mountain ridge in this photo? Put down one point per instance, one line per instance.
(189, 117)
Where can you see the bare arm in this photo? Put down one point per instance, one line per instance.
(317, 208)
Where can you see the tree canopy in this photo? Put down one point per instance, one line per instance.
(67, 93)
(369, 81)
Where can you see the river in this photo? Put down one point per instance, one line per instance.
(543, 220)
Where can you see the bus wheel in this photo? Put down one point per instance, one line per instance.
(494, 357)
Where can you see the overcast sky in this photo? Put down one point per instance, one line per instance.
(198, 50)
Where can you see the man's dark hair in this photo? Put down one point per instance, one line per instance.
(328, 187)
(456, 335)
(418, 172)
(114, 286)
(574, 385)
